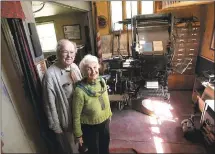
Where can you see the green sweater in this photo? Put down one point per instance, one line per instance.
(87, 109)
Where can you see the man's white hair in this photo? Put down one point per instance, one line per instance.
(61, 43)
(88, 59)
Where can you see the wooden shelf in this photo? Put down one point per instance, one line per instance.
(202, 92)
(183, 24)
(180, 82)
(182, 5)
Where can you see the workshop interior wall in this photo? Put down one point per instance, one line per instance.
(206, 51)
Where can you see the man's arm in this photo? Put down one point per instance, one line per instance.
(50, 107)
(78, 71)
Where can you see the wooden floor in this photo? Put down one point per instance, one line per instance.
(135, 132)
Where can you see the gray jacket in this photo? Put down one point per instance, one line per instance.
(57, 107)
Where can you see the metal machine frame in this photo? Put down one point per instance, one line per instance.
(124, 88)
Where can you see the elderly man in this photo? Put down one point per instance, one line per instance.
(58, 84)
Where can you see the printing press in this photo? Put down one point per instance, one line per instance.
(144, 73)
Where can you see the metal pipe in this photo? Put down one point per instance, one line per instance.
(161, 26)
(128, 21)
(153, 17)
(154, 22)
(133, 36)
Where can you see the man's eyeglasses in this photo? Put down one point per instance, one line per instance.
(65, 52)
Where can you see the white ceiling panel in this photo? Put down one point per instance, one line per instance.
(42, 9)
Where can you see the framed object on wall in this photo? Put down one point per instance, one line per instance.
(72, 32)
(102, 21)
(212, 46)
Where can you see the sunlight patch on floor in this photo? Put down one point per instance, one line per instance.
(158, 144)
(162, 111)
(155, 130)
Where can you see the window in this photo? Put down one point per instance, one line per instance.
(116, 14)
(131, 8)
(147, 7)
(121, 10)
(47, 36)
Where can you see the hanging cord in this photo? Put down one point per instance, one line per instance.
(113, 39)
(40, 8)
(131, 8)
(186, 66)
(132, 25)
(138, 38)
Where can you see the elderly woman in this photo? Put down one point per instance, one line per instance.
(91, 108)
(58, 84)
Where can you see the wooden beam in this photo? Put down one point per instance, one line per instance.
(157, 6)
(124, 15)
(139, 7)
(109, 17)
(183, 5)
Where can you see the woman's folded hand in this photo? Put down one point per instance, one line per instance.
(79, 140)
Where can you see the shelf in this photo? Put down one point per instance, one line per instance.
(196, 24)
(182, 5)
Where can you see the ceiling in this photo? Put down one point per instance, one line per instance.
(51, 8)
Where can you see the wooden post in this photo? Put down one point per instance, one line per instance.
(139, 7)
(124, 15)
(157, 6)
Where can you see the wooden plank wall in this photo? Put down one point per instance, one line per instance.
(206, 52)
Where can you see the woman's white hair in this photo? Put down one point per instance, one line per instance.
(88, 59)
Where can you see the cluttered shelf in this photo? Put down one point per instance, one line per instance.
(177, 5)
(203, 90)
(205, 82)
(183, 25)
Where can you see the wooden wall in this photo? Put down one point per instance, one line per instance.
(103, 10)
(206, 52)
